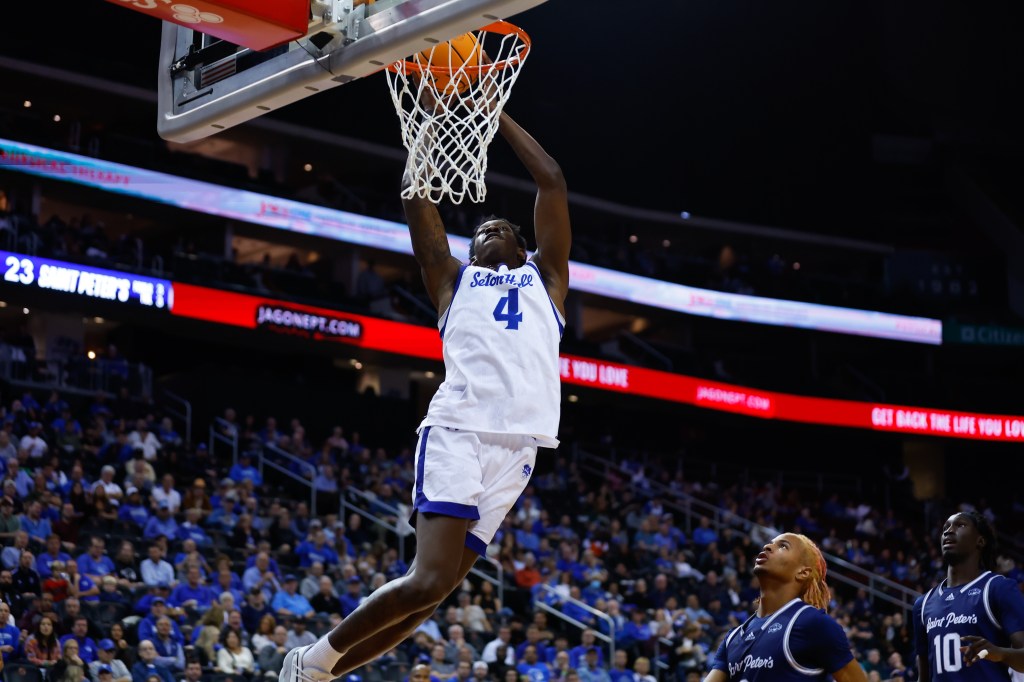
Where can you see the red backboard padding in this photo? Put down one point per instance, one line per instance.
(256, 24)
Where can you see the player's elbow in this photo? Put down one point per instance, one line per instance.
(549, 176)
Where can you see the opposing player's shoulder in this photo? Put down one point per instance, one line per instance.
(1000, 584)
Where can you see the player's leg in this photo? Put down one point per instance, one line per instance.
(387, 639)
(439, 545)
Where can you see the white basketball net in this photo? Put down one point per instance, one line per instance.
(447, 132)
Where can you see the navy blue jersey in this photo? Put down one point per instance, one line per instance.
(989, 606)
(796, 642)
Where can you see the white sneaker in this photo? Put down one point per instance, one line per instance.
(293, 671)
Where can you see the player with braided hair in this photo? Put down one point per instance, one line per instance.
(971, 625)
(790, 636)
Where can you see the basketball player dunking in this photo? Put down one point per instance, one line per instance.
(971, 626)
(790, 636)
(501, 320)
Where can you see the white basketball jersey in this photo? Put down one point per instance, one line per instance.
(500, 339)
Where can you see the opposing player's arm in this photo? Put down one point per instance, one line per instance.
(430, 246)
(550, 212)
(1008, 605)
(717, 676)
(851, 672)
(924, 673)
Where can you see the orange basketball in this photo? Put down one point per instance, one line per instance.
(464, 49)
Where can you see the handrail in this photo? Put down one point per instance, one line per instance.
(499, 582)
(721, 518)
(609, 638)
(218, 434)
(383, 523)
(184, 412)
(287, 456)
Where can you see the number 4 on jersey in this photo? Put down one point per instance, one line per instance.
(507, 310)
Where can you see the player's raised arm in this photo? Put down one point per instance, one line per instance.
(551, 210)
(430, 246)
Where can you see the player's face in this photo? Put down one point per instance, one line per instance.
(783, 557)
(960, 538)
(495, 243)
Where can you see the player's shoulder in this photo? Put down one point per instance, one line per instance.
(809, 616)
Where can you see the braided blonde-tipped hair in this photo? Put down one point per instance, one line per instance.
(816, 593)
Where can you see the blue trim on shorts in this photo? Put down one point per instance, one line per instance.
(476, 544)
(422, 504)
(447, 313)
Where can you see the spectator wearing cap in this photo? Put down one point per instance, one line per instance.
(225, 515)
(162, 523)
(105, 650)
(353, 595)
(577, 654)
(590, 668)
(106, 481)
(192, 593)
(34, 523)
(52, 553)
(157, 609)
(143, 438)
(132, 510)
(33, 443)
(298, 635)
(244, 470)
(165, 492)
(316, 548)
(197, 498)
(155, 568)
(288, 601)
(147, 666)
(95, 563)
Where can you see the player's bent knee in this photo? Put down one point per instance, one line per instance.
(423, 591)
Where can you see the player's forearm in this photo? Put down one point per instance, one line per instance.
(1009, 656)
(544, 169)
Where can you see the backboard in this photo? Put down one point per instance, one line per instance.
(206, 85)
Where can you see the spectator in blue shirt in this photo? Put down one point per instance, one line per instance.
(49, 555)
(316, 549)
(577, 654)
(157, 610)
(161, 524)
(155, 569)
(132, 509)
(704, 534)
(224, 516)
(10, 635)
(34, 523)
(190, 528)
(536, 670)
(86, 646)
(288, 601)
(81, 585)
(192, 593)
(244, 469)
(95, 563)
(147, 666)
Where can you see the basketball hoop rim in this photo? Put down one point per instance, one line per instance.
(500, 27)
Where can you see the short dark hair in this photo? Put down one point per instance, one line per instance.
(988, 532)
(516, 230)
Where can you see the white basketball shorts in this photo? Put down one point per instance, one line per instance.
(470, 475)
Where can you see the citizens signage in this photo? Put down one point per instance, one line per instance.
(982, 335)
(85, 281)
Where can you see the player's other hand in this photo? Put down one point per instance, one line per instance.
(975, 645)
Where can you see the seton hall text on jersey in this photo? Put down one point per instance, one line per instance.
(951, 619)
(497, 279)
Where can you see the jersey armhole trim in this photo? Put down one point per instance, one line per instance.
(789, 654)
(554, 308)
(442, 322)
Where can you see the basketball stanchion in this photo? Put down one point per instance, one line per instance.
(449, 99)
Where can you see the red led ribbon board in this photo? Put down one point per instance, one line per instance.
(321, 324)
(253, 24)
